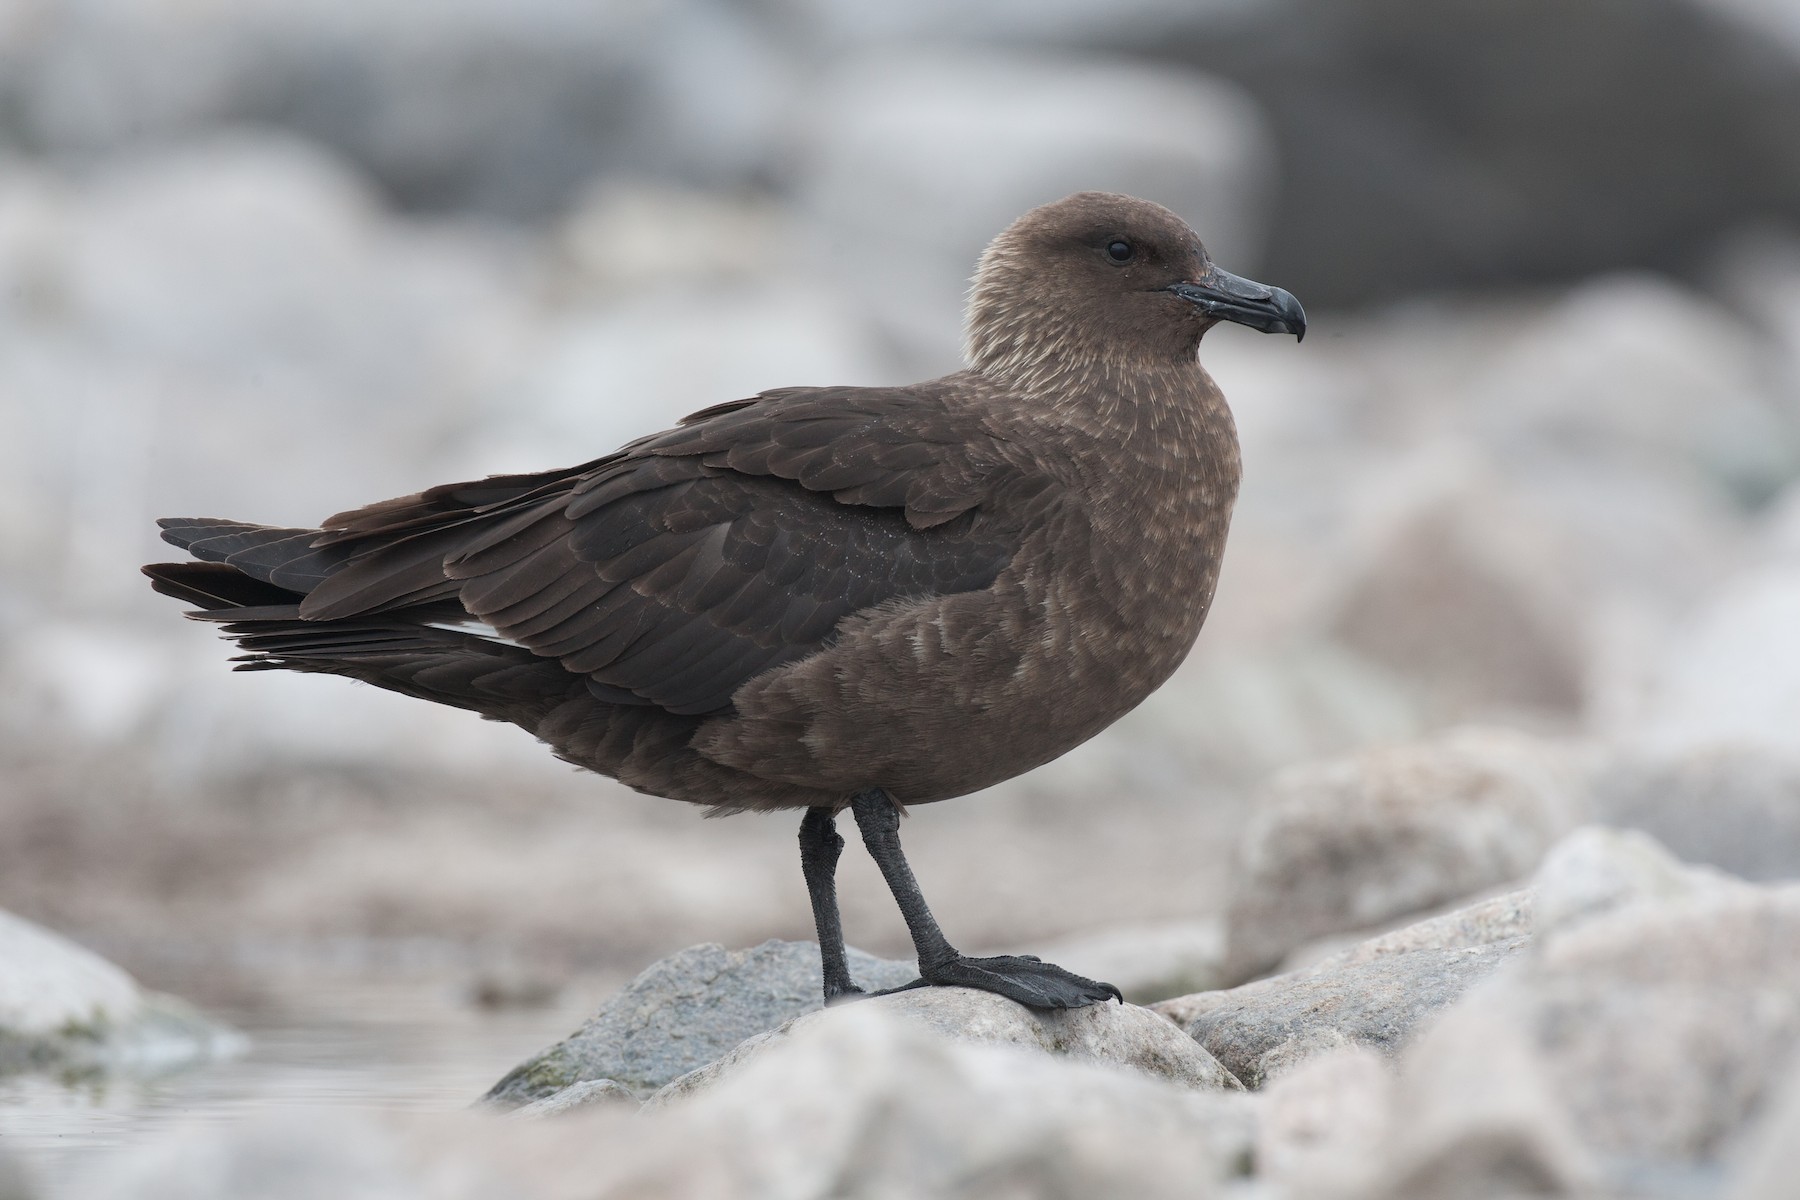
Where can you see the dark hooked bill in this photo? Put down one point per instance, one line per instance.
(1231, 297)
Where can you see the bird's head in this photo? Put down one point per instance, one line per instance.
(1105, 277)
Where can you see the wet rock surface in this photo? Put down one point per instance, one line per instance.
(866, 1103)
(64, 1007)
(683, 1013)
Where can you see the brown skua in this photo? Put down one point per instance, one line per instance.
(822, 598)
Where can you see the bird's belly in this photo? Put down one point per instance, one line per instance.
(936, 699)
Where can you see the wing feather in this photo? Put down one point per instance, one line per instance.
(675, 570)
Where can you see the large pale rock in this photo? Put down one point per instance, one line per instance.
(1264, 1027)
(1627, 1049)
(1732, 807)
(684, 1012)
(1372, 995)
(1732, 674)
(1665, 1026)
(1768, 1162)
(1637, 371)
(1475, 1115)
(1499, 918)
(1324, 1121)
(882, 1099)
(913, 160)
(1466, 592)
(64, 1006)
(1346, 844)
(1661, 1027)
(1121, 1035)
(1596, 870)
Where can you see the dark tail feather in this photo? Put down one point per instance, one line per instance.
(400, 653)
(214, 586)
(253, 580)
(283, 557)
(446, 666)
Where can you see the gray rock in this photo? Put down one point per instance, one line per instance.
(1664, 1027)
(1467, 592)
(1596, 870)
(1121, 1035)
(63, 1006)
(578, 1096)
(1726, 675)
(1501, 918)
(890, 1108)
(1732, 807)
(1324, 1121)
(1272, 1024)
(1623, 1051)
(1476, 1115)
(1343, 845)
(1768, 1161)
(1581, 383)
(1644, 1038)
(684, 1012)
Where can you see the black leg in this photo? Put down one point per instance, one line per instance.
(820, 846)
(1022, 978)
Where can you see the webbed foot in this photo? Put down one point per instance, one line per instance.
(1021, 977)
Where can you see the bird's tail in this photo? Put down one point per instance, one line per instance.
(415, 651)
(285, 558)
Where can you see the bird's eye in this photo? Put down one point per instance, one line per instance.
(1120, 250)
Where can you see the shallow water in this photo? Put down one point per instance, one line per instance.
(331, 1042)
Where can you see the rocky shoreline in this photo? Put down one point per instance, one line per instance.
(1616, 1025)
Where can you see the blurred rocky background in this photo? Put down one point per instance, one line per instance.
(1518, 548)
